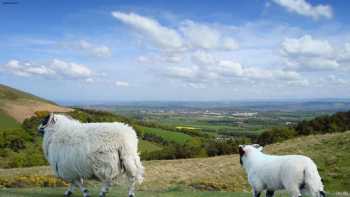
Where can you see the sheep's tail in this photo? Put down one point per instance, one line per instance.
(313, 181)
(131, 162)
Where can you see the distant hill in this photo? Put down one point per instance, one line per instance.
(18, 105)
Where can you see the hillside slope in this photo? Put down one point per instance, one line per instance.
(330, 152)
(21, 105)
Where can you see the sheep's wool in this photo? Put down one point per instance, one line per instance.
(295, 173)
(91, 150)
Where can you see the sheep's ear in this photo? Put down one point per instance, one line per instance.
(241, 150)
(52, 119)
(257, 146)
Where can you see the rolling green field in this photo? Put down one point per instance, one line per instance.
(147, 146)
(216, 121)
(7, 122)
(170, 136)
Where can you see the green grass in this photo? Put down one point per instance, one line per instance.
(58, 192)
(8, 93)
(7, 122)
(117, 191)
(146, 146)
(330, 152)
(171, 136)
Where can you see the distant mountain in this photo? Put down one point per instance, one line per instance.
(19, 105)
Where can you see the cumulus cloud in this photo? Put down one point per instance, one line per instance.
(309, 54)
(204, 37)
(160, 35)
(70, 69)
(99, 51)
(121, 84)
(345, 53)
(188, 35)
(203, 58)
(307, 46)
(185, 73)
(302, 7)
(52, 69)
(214, 70)
(26, 68)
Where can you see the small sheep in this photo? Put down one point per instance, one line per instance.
(103, 151)
(295, 173)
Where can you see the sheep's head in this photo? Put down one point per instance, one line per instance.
(46, 122)
(245, 149)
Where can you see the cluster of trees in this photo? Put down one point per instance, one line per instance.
(21, 147)
(196, 147)
(338, 122)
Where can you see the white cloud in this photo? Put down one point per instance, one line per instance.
(203, 58)
(306, 46)
(299, 83)
(345, 53)
(52, 69)
(71, 69)
(160, 35)
(99, 51)
(26, 69)
(204, 37)
(309, 54)
(121, 84)
(304, 8)
(189, 35)
(226, 67)
(270, 74)
(186, 73)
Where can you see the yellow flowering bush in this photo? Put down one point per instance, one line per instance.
(36, 181)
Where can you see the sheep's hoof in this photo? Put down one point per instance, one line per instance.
(131, 195)
(68, 193)
(102, 195)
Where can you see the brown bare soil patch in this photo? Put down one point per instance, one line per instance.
(25, 108)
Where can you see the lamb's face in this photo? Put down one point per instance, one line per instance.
(46, 122)
(244, 150)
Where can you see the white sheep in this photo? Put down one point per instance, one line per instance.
(295, 173)
(102, 151)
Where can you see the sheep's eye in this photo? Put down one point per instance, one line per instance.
(45, 121)
(256, 146)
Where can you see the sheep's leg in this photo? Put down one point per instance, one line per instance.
(256, 193)
(70, 190)
(295, 192)
(270, 193)
(82, 188)
(105, 188)
(132, 183)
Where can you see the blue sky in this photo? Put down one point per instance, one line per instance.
(176, 50)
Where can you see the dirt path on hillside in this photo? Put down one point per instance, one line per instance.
(22, 109)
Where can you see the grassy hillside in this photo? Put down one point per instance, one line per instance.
(8, 93)
(170, 136)
(146, 146)
(330, 152)
(7, 122)
(21, 105)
